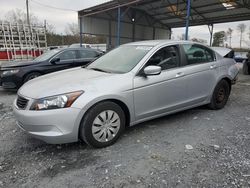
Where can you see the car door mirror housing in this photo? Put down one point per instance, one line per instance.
(55, 60)
(152, 70)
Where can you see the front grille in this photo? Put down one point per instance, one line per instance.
(21, 102)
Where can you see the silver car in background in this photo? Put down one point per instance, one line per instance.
(133, 83)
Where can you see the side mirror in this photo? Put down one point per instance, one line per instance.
(55, 60)
(152, 70)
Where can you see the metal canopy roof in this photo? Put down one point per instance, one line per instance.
(172, 13)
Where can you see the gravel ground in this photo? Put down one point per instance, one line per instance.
(194, 148)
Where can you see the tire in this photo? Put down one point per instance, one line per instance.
(102, 125)
(246, 68)
(31, 76)
(248, 65)
(220, 95)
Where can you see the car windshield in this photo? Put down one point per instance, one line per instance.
(120, 60)
(47, 55)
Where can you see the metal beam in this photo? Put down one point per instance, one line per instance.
(175, 12)
(109, 36)
(144, 25)
(203, 12)
(197, 12)
(110, 8)
(118, 39)
(211, 30)
(187, 20)
(214, 20)
(163, 6)
(81, 37)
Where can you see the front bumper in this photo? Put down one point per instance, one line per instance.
(10, 82)
(52, 126)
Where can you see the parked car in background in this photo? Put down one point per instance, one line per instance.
(100, 47)
(133, 83)
(240, 57)
(246, 64)
(77, 45)
(14, 74)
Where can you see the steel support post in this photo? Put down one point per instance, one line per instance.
(187, 18)
(211, 30)
(81, 37)
(118, 39)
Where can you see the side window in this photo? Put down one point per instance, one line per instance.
(198, 54)
(67, 55)
(87, 54)
(166, 58)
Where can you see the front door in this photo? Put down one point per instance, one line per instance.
(158, 94)
(66, 60)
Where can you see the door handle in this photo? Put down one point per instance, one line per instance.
(212, 66)
(179, 74)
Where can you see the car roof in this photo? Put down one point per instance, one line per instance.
(79, 48)
(158, 42)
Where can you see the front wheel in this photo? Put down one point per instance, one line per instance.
(220, 95)
(103, 124)
(31, 76)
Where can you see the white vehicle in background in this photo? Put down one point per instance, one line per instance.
(101, 47)
(77, 45)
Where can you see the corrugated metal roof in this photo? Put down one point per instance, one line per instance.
(172, 13)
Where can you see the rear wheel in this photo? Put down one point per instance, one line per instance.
(220, 95)
(246, 67)
(31, 76)
(103, 124)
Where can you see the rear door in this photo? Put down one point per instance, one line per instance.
(85, 56)
(201, 72)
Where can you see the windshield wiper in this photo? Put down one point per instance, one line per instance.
(100, 70)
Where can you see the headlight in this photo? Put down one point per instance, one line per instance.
(10, 72)
(56, 102)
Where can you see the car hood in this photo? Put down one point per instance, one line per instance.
(70, 80)
(17, 64)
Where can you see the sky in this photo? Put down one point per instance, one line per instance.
(60, 18)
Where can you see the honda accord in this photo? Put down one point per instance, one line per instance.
(133, 83)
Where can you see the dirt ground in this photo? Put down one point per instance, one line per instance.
(194, 148)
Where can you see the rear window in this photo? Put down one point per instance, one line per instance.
(87, 54)
(196, 54)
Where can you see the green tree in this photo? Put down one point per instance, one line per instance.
(218, 38)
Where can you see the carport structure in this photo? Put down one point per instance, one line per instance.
(124, 21)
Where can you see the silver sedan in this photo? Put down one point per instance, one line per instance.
(133, 83)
